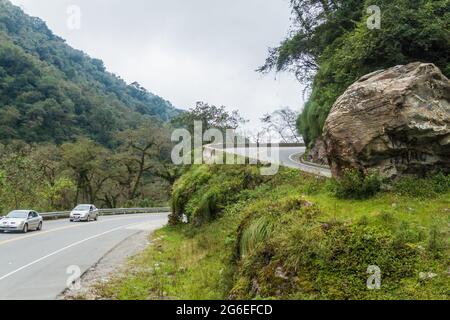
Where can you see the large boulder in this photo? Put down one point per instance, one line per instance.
(396, 121)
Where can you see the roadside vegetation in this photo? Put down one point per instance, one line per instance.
(293, 236)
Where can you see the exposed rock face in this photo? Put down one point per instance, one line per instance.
(318, 154)
(396, 121)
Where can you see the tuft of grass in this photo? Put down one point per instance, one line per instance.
(255, 235)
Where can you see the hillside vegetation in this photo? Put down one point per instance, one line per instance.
(51, 92)
(72, 132)
(294, 236)
(331, 46)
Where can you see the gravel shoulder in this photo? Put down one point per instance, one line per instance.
(111, 264)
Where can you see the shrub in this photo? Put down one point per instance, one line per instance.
(356, 185)
(203, 192)
(406, 234)
(295, 255)
(146, 203)
(436, 243)
(314, 186)
(208, 202)
(428, 187)
(184, 188)
(260, 219)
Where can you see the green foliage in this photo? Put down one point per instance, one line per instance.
(48, 177)
(210, 117)
(287, 249)
(305, 260)
(356, 185)
(20, 181)
(273, 241)
(438, 242)
(202, 193)
(255, 235)
(52, 92)
(56, 194)
(147, 203)
(100, 140)
(423, 188)
(333, 47)
(184, 188)
(176, 266)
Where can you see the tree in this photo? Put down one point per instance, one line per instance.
(89, 166)
(20, 180)
(50, 177)
(258, 136)
(283, 122)
(210, 116)
(57, 194)
(139, 151)
(317, 23)
(48, 160)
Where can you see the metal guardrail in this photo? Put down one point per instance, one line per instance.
(312, 164)
(211, 150)
(254, 145)
(107, 212)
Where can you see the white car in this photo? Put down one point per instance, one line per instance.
(22, 221)
(84, 212)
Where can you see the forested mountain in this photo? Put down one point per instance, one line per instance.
(52, 92)
(331, 45)
(72, 132)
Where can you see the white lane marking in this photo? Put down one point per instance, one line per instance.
(63, 249)
(291, 157)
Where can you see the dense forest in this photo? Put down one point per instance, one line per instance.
(331, 46)
(72, 132)
(54, 93)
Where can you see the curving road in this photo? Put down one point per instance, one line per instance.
(283, 155)
(34, 266)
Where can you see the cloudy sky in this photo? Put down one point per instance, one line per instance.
(184, 50)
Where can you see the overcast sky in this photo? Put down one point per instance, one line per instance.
(184, 50)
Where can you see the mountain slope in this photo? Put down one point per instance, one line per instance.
(52, 92)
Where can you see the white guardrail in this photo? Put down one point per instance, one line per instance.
(107, 212)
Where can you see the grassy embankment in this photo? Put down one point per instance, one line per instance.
(290, 237)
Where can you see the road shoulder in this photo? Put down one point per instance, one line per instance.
(109, 265)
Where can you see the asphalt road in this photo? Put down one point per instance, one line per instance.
(284, 156)
(34, 266)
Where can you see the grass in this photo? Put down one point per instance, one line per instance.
(180, 264)
(290, 237)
